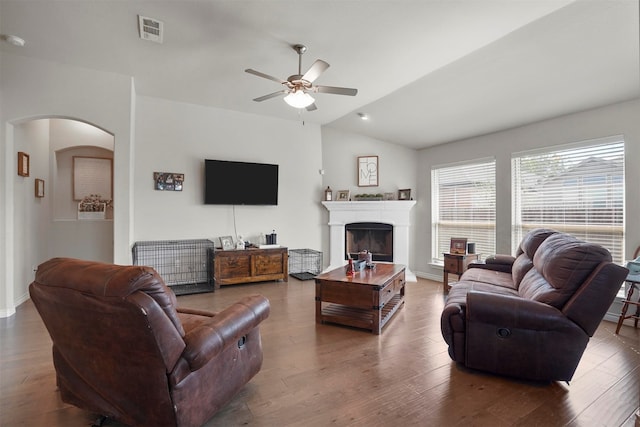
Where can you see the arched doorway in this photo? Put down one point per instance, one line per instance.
(46, 225)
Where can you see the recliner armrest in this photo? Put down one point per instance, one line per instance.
(498, 262)
(225, 328)
(519, 337)
(512, 311)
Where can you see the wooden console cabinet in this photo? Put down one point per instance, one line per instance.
(249, 265)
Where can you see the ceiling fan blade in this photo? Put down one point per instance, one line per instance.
(312, 107)
(316, 69)
(265, 76)
(335, 90)
(269, 96)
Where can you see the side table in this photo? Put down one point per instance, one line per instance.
(456, 264)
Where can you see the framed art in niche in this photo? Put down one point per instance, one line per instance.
(92, 176)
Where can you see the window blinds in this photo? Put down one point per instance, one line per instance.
(578, 190)
(464, 205)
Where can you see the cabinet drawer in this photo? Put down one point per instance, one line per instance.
(268, 264)
(391, 289)
(452, 265)
(234, 267)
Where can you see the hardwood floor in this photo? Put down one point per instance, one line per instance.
(320, 375)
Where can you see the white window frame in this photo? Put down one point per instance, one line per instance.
(485, 242)
(608, 233)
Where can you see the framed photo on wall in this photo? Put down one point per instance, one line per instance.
(367, 171)
(23, 164)
(168, 181)
(39, 188)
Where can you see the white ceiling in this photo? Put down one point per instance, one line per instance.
(427, 72)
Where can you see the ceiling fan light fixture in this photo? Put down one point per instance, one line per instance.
(299, 99)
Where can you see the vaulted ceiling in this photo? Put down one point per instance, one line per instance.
(427, 71)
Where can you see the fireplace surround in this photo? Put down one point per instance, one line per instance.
(396, 213)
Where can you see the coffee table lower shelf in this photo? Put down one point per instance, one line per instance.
(360, 317)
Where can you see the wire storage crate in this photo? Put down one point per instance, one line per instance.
(304, 264)
(184, 265)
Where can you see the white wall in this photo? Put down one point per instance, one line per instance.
(618, 119)
(177, 137)
(397, 169)
(30, 245)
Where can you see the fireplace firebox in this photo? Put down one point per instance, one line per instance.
(374, 237)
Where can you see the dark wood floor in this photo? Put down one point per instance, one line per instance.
(321, 375)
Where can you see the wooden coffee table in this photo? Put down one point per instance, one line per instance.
(366, 300)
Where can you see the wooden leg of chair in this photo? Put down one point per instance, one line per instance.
(625, 307)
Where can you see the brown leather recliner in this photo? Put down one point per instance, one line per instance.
(531, 316)
(122, 349)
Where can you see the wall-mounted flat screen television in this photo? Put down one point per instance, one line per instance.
(240, 183)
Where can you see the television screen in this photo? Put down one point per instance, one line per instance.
(240, 183)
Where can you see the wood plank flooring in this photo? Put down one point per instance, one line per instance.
(327, 375)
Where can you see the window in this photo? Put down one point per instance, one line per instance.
(464, 205)
(577, 189)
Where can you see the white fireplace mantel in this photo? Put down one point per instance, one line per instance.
(393, 212)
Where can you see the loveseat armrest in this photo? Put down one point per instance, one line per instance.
(498, 262)
(207, 340)
(511, 311)
(523, 338)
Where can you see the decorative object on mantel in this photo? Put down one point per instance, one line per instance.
(343, 196)
(368, 197)
(389, 196)
(328, 194)
(93, 206)
(404, 194)
(23, 164)
(39, 188)
(367, 171)
(168, 181)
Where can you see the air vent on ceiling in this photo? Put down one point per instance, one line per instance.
(150, 29)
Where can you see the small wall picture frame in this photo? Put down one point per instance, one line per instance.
(404, 194)
(168, 181)
(367, 171)
(39, 188)
(458, 246)
(226, 242)
(23, 164)
(342, 196)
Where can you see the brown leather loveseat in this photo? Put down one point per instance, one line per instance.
(122, 349)
(531, 316)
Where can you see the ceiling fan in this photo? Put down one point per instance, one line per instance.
(298, 86)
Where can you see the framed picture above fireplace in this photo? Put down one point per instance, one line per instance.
(367, 171)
